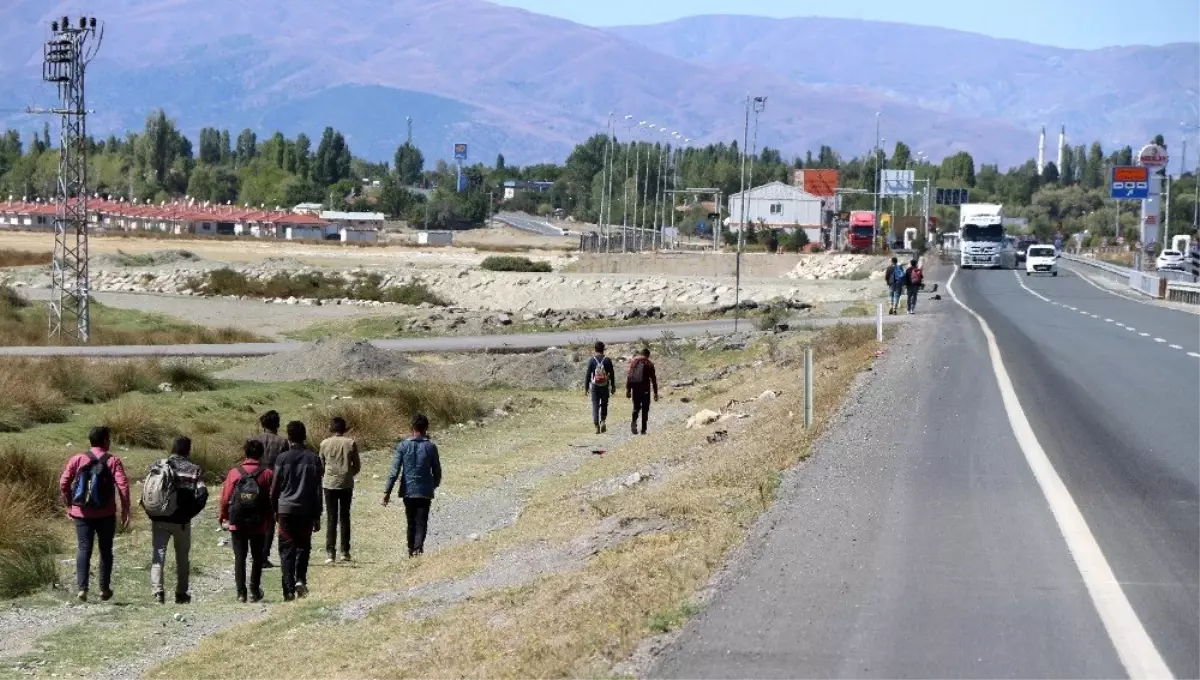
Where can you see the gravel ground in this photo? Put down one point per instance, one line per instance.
(23, 627)
(331, 360)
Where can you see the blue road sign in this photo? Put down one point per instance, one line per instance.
(1129, 183)
(460, 152)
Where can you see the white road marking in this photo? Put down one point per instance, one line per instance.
(1095, 317)
(1131, 329)
(1175, 346)
(1133, 644)
(1108, 320)
(1120, 325)
(1144, 335)
(1159, 340)
(1194, 354)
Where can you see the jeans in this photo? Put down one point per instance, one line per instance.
(88, 531)
(162, 533)
(600, 404)
(897, 291)
(912, 298)
(295, 546)
(641, 405)
(337, 517)
(252, 544)
(416, 511)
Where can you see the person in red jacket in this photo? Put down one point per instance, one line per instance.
(90, 485)
(248, 538)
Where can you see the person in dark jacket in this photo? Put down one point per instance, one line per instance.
(914, 281)
(639, 381)
(600, 382)
(191, 497)
(248, 540)
(894, 276)
(296, 496)
(417, 466)
(273, 445)
(96, 524)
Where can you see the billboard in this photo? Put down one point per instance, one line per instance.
(1152, 156)
(896, 183)
(460, 152)
(823, 183)
(1129, 182)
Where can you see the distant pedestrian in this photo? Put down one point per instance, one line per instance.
(895, 281)
(273, 445)
(640, 380)
(246, 513)
(173, 493)
(296, 493)
(419, 469)
(90, 485)
(914, 281)
(339, 455)
(600, 382)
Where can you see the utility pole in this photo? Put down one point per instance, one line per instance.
(605, 177)
(646, 196)
(67, 54)
(1167, 216)
(637, 160)
(877, 174)
(758, 104)
(408, 139)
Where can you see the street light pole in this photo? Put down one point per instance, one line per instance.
(875, 163)
(759, 103)
(625, 186)
(604, 180)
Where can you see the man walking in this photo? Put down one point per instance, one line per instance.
(419, 469)
(273, 446)
(914, 281)
(90, 484)
(638, 383)
(895, 281)
(296, 493)
(339, 456)
(246, 513)
(599, 381)
(173, 493)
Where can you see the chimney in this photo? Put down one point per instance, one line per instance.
(1042, 151)
(1062, 145)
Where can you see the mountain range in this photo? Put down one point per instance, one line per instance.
(530, 86)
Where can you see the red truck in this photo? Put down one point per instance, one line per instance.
(861, 236)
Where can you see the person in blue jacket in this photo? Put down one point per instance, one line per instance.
(417, 466)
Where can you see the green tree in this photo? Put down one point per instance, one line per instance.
(213, 183)
(247, 147)
(901, 156)
(409, 164)
(1093, 176)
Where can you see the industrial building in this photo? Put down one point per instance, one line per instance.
(777, 206)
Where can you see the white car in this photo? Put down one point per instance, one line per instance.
(1169, 259)
(1041, 259)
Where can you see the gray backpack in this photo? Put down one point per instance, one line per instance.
(160, 490)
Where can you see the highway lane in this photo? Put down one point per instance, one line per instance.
(916, 541)
(511, 342)
(1118, 413)
(528, 223)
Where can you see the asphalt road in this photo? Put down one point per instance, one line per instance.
(530, 224)
(516, 341)
(916, 542)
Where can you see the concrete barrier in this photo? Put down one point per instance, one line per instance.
(754, 265)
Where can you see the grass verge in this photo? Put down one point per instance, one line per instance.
(315, 285)
(23, 258)
(28, 541)
(513, 263)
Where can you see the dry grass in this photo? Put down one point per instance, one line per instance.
(23, 258)
(28, 543)
(28, 471)
(381, 411)
(134, 423)
(513, 263)
(316, 285)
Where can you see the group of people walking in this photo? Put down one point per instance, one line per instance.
(901, 280)
(600, 382)
(281, 487)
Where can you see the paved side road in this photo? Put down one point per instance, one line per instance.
(516, 341)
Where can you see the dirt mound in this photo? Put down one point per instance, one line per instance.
(156, 258)
(549, 369)
(329, 360)
(834, 266)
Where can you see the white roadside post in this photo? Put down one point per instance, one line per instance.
(879, 323)
(808, 388)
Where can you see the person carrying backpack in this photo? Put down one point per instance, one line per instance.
(638, 383)
(419, 469)
(600, 382)
(914, 281)
(172, 494)
(895, 281)
(273, 445)
(246, 513)
(91, 484)
(339, 455)
(296, 493)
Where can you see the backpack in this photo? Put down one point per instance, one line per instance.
(93, 483)
(915, 276)
(600, 376)
(897, 274)
(160, 490)
(248, 506)
(637, 371)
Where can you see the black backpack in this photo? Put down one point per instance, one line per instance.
(248, 506)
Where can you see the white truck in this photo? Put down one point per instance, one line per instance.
(982, 241)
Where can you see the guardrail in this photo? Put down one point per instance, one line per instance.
(1180, 291)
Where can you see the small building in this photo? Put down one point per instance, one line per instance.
(778, 206)
(305, 233)
(358, 235)
(374, 220)
(514, 186)
(308, 209)
(435, 238)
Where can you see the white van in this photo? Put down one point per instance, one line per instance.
(1041, 259)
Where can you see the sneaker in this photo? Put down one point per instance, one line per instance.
(633, 429)
(603, 427)
(105, 595)
(329, 559)
(81, 596)
(183, 598)
(288, 597)
(346, 557)
(257, 595)
(241, 597)
(160, 598)
(267, 564)
(301, 590)
(597, 429)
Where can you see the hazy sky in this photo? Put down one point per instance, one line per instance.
(1063, 23)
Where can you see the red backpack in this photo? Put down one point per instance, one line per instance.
(916, 276)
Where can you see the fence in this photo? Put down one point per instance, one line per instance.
(618, 240)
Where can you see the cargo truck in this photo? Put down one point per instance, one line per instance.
(982, 241)
(861, 236)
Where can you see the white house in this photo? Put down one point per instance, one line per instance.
(435, 238)
(358, 234)
(373, 220)
(308, 209)
(777, 206)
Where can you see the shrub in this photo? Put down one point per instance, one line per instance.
(23, 258)
(28, 544)
(23, 470)
(216, 453)
(771, 317)
(374, 424)
(26, 399)
(512, 263)
(133, 424)
(382, 410)
(414, 293)
(842, 337)
(187, 378)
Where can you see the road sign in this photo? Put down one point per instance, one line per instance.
(1152, 156)
(897, 183)
(1151, 219)
(460, 152)
(1130, 182)
(951, 196)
